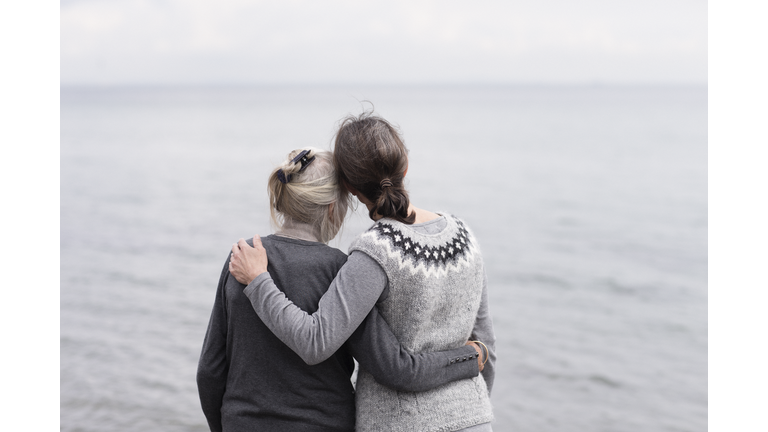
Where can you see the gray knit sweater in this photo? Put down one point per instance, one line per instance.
(359, 285)
(435, 291)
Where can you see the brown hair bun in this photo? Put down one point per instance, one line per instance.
(370, 156)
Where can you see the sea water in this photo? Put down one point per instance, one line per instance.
(589, 204)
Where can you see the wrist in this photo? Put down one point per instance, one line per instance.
(254, 285)
(256, 273)
(257, 278)
(482, 354)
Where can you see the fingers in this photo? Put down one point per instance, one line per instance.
(243, 244)
(479, 351)
(257, 241)
(234, 257)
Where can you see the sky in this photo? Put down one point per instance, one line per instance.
(107, 42)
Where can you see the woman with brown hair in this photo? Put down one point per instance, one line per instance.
(424, 272)
(249, 380)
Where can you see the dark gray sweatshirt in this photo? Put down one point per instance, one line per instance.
(249, 380)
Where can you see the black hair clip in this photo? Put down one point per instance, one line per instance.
(281, 176)
(301, 157)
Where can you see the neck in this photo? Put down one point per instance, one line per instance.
(299, 230)
(421, 214)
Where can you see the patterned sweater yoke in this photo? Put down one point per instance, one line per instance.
(435, 288)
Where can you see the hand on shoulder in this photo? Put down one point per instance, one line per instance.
(246, 262)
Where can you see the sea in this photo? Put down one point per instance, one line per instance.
(589, 204)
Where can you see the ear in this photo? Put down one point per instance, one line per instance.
(406, 171)
(330, 209)
(349, 187)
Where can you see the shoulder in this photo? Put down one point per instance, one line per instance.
(464, 234)
(377, 233)
(335, 255)
(461, 226)
(373, 241)
(265, 239)
(389, 240)
(315, 249)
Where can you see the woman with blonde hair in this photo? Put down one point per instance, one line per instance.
(422, 270)
(249, 380)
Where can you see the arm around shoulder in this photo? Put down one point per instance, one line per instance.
(340, 311)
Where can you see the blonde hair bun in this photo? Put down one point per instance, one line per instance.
(305, 189)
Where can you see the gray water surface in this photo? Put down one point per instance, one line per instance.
(589, 203)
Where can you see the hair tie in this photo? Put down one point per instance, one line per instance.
(385, 183)
(281, 176)
(301, 157)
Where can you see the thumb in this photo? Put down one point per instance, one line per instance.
(257, 242)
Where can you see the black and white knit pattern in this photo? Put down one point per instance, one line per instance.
(433, 255)
(456, 247)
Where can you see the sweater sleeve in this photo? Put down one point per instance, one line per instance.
(483, 331)
(212, 368)
(379, 353)
(356, 289)
(315, 337)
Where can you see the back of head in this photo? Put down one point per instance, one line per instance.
(371, 157)
(306, 190)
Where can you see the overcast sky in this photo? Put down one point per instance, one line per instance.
(334, 41)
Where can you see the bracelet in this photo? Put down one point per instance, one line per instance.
(486, 350)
